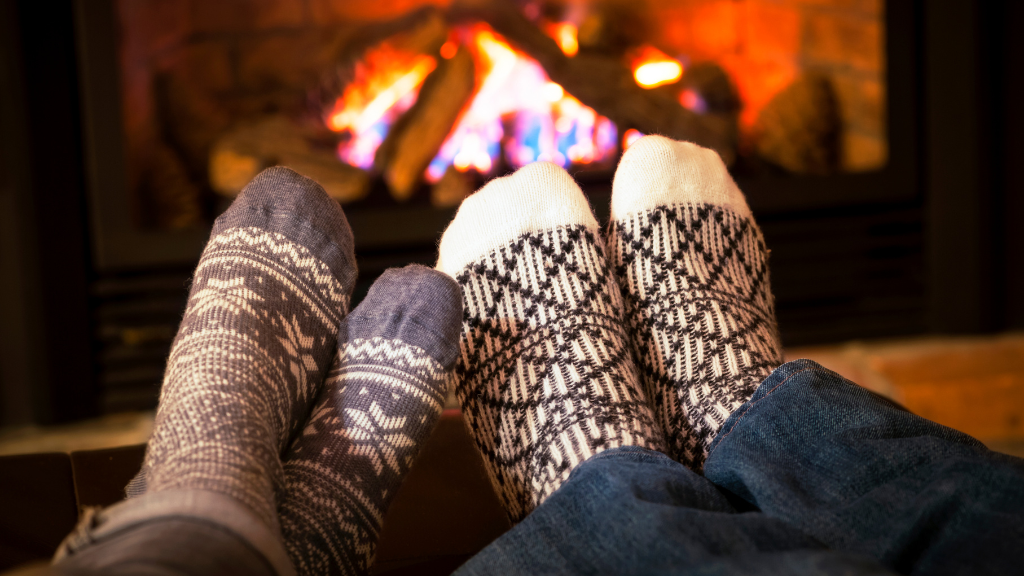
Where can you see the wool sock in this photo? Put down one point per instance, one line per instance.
(693, 269)
(258, 335)
(383, 396)
(545, 376)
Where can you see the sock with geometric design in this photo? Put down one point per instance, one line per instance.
(254, 346)
(693, 269)
(382, 398)
(545, 376)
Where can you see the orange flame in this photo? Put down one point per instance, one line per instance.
(385, 84)
(513, 94)
(564, 34)
(653, 68)
(631, 136)
(514, 91)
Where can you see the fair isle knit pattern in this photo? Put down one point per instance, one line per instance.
(382, 399)
(701, 314)
(254, 345)
(545, 377)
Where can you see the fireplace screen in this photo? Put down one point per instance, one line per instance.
(410, 101)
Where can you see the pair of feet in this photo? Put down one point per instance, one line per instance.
(574, 343)
(310, 416)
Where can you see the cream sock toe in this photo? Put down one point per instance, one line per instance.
(693, 270)
(545, 377)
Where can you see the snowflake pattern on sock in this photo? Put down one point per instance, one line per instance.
(545, 376)
(701, 315)
(381, 400)
(257, 336)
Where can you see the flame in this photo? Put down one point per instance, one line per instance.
(631, 136)
(513, 95)
(448, 49)
(385, 84)
(692, 100)
(564, 34)
(653, 68)
(546, 122)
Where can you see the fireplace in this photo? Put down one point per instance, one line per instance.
(817, 106)
(794, 95)
(426, 99)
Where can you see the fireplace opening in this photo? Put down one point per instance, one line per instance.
(419, 102)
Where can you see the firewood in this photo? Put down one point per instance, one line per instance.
(604, 83)
(451, 189)
(414, 141)
(800, 127)
(239, 154)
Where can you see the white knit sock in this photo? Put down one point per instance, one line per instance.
(545, 377)
(693, 269)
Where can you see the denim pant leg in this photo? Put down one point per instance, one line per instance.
(862, 475)
(635, 511)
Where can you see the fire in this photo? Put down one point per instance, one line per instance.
(653, 68)
(546, 123)
(631, 136)
(516, 110)
(564, 34)
(385, 84)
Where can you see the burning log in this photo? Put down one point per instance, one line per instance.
(239, 154)
(415, 139)
(451, 189)
(604, 83)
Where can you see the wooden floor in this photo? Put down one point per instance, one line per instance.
(973, 384)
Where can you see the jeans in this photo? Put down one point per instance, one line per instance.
(813, 475)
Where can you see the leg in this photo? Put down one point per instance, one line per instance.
(694, 272)
(862, 475)
(546, 379)
(635, 511)
(382, 399)
(249, 359)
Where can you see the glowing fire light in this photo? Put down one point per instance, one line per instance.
(564, 34)
(513, 94)
(653, 68)
(631, 136)
(547, 123)
(448, 49)
(386, 83)
(692, 100)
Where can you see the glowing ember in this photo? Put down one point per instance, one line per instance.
(448, 49)
(385, 84)
(564, 34)
(693, 101)
(652, 68)
(631, 136)
(547, 124)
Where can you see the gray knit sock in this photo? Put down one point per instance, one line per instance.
(382, 398)
(546, 378)
(693, 269)
(255, 343)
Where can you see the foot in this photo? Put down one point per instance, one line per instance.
(382, 398)
(545, 376)
(255, 343)
(693, 269)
